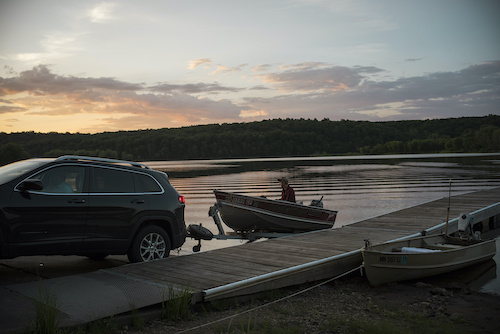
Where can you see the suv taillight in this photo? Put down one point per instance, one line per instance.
(182, 200)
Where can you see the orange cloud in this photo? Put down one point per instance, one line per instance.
(39, 93)
(202, 61)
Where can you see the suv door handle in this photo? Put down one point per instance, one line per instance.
(76, 201)
(137, 201)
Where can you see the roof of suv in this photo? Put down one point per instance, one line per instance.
(105, 160)
(11, 171)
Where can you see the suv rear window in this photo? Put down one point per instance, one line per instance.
(107, 180)
(146, 184)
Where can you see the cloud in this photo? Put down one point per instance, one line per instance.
(367, 69)
(39, 92)
(261, 68)
(54, 46)
(483, 77)
(303, 90)
(102, 12)
(146, 111)
(472, 91)
(202, 61)
(304, 66)
(179, 106)
(192, 88)
(308, 77)
(10, 109)
(40, 81)
(9, 70)
(260, 87)
(226, 70)
(10, 122)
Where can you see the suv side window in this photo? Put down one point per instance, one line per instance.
(108, 180)
(62, 179)
(146, 184)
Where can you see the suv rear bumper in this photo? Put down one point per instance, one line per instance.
(178, 239)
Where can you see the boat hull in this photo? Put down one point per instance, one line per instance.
(248, 213)
(422, 257)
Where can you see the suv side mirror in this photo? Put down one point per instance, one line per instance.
(31, 184)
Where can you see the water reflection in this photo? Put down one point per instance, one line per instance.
(358, 187)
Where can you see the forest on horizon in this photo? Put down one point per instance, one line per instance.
(269, 138)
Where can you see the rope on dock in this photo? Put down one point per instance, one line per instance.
(272, 302)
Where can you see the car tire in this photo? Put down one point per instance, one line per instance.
(150, 243)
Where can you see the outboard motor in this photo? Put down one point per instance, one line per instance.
(465, 230)
(317, 203)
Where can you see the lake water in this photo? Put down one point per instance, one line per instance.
(359, 187)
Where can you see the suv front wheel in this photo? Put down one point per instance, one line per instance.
(150, 243)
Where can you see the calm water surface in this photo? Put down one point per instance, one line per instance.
(358, 187)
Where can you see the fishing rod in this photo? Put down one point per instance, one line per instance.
(448, 210)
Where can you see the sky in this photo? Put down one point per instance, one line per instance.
(97, 66)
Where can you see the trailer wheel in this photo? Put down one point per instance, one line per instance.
(199, 232)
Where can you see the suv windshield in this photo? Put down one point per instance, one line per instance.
(11, 171)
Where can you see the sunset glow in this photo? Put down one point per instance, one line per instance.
(94, 66)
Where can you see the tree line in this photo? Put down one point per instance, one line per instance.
(269, 138)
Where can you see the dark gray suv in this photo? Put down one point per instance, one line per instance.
(88, 206)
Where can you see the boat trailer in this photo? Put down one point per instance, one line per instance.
(198, 232)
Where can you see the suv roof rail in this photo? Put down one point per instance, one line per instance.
(114, 161)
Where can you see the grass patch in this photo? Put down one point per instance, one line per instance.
(176, 304)
(137, 321)
(47, 314)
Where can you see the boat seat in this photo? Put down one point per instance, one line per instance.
(414, 250)
(445, 246)
(417, 250)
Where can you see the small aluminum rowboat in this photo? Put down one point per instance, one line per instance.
(258, 214)
(422, 257)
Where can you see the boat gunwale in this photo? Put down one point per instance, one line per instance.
(458, 242)
(276, 201)
(444, 265)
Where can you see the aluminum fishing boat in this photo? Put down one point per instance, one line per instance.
(258, 214)
(425, 256)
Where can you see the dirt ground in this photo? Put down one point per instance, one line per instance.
(348, 305)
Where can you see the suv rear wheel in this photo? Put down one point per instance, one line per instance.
(150, 243)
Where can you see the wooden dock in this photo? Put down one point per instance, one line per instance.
(275, 263)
